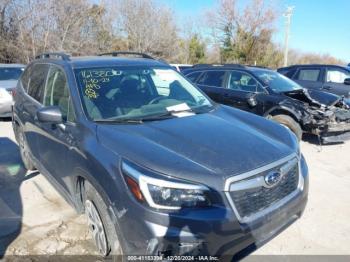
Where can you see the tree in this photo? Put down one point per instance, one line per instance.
(147, 27)
(244, 34)
(196, 50)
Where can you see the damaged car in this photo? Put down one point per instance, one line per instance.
(274, 96)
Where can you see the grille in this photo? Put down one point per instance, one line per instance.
(253, 200)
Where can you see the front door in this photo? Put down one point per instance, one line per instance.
(244, 92)
(56, 142)
(310, 78)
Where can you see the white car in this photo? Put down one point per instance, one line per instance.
(181, 67)
(9, 74)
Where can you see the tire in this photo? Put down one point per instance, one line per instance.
(24, 151)
(290, 123)
(100, 224)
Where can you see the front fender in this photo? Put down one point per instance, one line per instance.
(297, 115)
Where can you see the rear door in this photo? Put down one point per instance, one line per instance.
(242, 86)
(212, 82)
(56, 143)
(334, 81)
(310, 77)
(31, 102)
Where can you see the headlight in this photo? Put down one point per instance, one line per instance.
(164, 194)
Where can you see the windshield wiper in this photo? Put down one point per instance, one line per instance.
(165, 115)
(122, 121)
(155, 117)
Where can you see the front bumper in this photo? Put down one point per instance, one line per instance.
(336, 133)
(214, 231)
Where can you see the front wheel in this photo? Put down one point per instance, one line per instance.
(290, 123)
(100, 223)
(24, 151)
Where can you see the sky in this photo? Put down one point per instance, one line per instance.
(319, 26)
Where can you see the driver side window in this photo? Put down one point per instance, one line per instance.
(241, 81)
(337, 75)
(57, 93)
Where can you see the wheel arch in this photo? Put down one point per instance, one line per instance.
(279, 110)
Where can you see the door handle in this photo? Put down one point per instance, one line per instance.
(327, 87)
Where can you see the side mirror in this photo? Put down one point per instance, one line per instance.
(251, 100)
(50, 114)
(347, 81)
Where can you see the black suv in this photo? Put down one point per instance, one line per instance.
(329, 78)
(158, 168)
(270, 94)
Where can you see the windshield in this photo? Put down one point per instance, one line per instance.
(10, 73)
(114, 93)
(277, 82)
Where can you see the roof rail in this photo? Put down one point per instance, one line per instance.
(219, 65)
(63, 56)
(117, 53)
(258, 66)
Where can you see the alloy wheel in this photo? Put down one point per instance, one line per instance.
(96, 227)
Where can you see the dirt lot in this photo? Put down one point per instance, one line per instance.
(39, 221)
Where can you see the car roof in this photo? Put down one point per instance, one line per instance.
(12, 65)
(100, 61)
(314, 65)
(224, 67)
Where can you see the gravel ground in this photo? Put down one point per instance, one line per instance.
(43, 223)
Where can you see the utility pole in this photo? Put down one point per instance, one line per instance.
(288, 15)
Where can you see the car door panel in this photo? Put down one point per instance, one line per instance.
(215, 93)
(242, 86)
(56, 141)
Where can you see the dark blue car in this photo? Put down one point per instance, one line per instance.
(158, 168)
(329, 78)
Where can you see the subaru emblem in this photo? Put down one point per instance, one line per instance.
(273, 178)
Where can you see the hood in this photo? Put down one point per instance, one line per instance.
(206, 147)
(8, 84)
(313, 97)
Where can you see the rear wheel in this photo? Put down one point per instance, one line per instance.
(24, 151)
(100, 223)
(290, 123)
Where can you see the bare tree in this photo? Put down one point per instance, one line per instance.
(147, 27)
(244, 33)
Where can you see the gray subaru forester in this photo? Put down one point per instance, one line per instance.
(158, 168)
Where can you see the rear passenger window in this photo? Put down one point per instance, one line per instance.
(290, 73)
(309, 74)
(36, 83)
(25, 78)
(212, 78)
(193, 76)
(57, 93)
